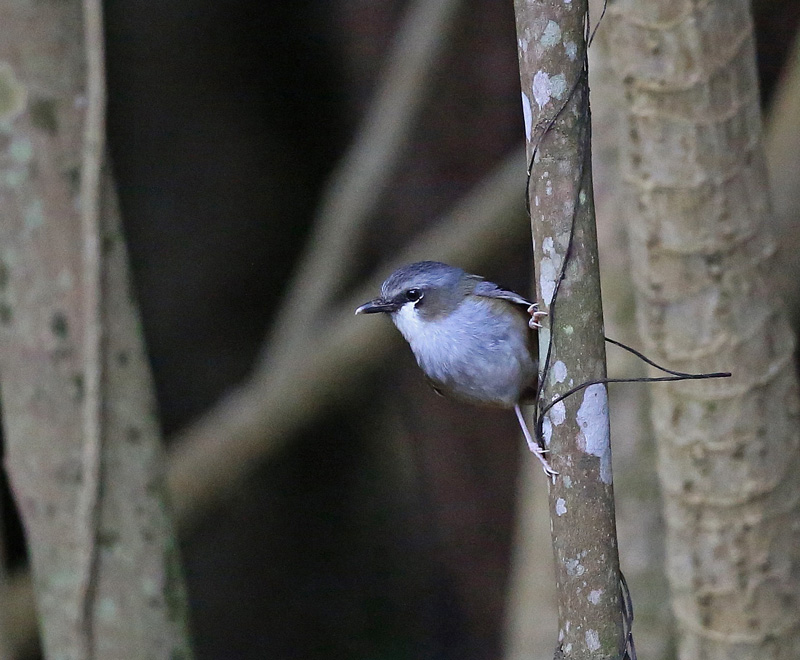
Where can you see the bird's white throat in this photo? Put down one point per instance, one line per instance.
(432, 345)
(409, 323)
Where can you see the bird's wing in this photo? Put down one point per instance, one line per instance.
(491, 290)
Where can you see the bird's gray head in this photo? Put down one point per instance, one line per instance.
(431, 288)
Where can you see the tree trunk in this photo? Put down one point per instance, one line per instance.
(555, 97)
(696, 197)
(83, 451)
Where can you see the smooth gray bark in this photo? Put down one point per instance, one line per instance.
(555, 102)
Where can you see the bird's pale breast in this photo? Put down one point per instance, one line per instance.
(479, 352)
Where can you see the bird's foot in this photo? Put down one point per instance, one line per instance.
(538, 451)
(540, 454)
(533, 310)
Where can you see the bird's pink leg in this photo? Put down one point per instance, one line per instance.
(534, 446)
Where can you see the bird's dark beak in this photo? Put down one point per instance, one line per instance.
(376, 306)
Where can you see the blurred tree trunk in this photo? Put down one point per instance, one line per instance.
(83, 450)
(693, 163)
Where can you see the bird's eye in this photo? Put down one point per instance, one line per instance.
(413, 295)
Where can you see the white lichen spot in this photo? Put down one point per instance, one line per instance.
(15, 177)
(541, 88)
(547, 280)
(34, 215)
(560, 634)
(567, 649)
(571, 49)
(536, 200)
(547, 431)
(567, 625)
(568, 330)
(561, 507)
(594, 596)
(558, 85)
(107, 609)
(21, 150)
(548, 189)
(527, 115)
(567, 481)
(592, 640)
(523, 45)
(558, 413)
(544, 340)
(547, 269)
(560, 371)
(551, 35)
(592, 418)
(574, 567)
(582, 195)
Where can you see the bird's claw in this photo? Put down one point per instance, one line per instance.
(540, 454)
(533, 310)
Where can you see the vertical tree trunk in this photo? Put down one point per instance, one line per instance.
(83, 449)
(696, 196)
(555, 97)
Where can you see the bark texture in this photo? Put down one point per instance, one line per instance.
(696, 196)
(640, 526)
(83, 450)
(552, 56)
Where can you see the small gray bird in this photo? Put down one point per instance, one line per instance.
(475, 341)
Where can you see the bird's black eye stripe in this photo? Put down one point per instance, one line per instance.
(413, 295)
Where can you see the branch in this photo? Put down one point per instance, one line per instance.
(553, 68)
(92, 162)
